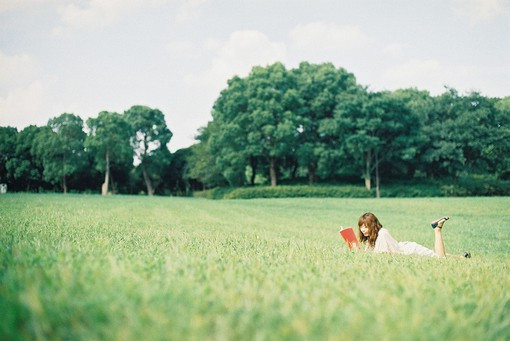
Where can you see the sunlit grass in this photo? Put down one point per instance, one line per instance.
(88, 267)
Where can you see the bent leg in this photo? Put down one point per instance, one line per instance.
(438, 243)
(438, 240)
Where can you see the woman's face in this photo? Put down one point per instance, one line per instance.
(364, 230)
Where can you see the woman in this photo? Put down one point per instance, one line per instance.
(378, 239)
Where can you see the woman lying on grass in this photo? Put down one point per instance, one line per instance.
(378, 239)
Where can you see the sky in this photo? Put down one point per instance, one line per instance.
(87, 56)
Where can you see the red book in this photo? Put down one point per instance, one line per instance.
(350, 237)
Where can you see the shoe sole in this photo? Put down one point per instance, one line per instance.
(436, 222)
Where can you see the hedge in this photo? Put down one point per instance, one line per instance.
(460, 187)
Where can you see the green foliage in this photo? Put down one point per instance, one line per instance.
(60, 148)
(201, 164)
(89, 267)
(214, 193)
(278, 126)
(377, 128)
(299, 191)
(225, 138)
(7, 149)
(109, 133)
(149, 138)
(497, 151)
(108, 141)
(319, 87)
(254, 120)
(476, 186)
(149, 130)
(316, 121)
(23, 165)
(472, 186)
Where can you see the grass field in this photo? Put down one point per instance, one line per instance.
(119, 267)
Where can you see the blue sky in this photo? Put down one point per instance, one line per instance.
(92, 55)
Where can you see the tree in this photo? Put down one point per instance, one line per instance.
(376, 128)
(60, 148)
(442, 152)
(8, 137)
(483, 132)
(319, 87)
(201, 163)
(158, 167)
(108, 140)
(226, 136)
(497, 151)
(149, 135)
(272, 106)
(23, 166)
(175, 179)
(419, 105)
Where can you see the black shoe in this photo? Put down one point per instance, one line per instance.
(436, 222)
(466, 254)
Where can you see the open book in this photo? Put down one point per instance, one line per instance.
(350, 237)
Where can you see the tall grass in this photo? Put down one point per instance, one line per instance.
(118, 267)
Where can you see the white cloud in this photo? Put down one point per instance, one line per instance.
(10, 5)
(427, 74)
(328, 37)
(189, 9)
(98, 13)
(181, 48)
(16, 71)
(480, 10)
(95, 13)
(432, 75)
(237, 55)
(101, 13)
(393, 50)
(24, 106)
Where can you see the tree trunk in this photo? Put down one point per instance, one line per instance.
(411, 169)
(294, 170)
(104, 188)
(253, 164)
(368, 184)
(150, 189)
(112, 184)
(377, 193)
(272, 171)
(312, 178)
(64, 184)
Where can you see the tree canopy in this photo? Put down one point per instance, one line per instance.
(313, 123)
(149, 138)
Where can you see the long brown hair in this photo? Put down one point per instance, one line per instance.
(372, 223)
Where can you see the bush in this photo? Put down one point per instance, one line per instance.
(299, 191)
(411, 191)
(454, 188)
(476, 186)
(213, 193)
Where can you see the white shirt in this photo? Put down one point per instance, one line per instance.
(386, 243)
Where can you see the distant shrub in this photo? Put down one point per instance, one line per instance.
(299, 191)
(476, 186)
(411, 191)
(213, 193)
(453, 188)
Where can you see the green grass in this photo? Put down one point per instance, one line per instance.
(118, 267)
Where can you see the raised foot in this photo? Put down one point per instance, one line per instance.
(439, 222)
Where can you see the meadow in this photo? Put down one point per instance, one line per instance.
(86, 267)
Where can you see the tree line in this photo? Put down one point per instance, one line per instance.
(314, 123)
(60, 155)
